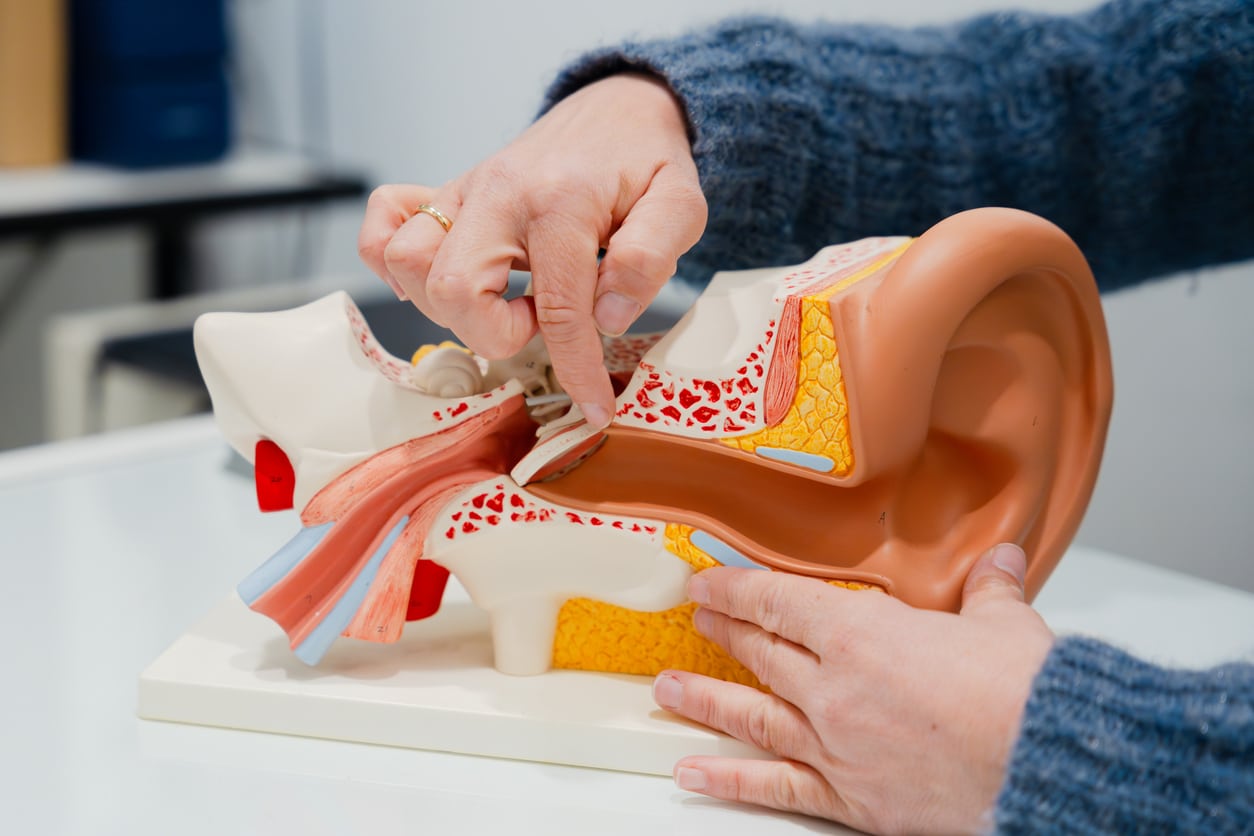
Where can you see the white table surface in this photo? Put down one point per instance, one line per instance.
(112, 547)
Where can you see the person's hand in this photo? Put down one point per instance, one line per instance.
(608, 167)
(883, 717)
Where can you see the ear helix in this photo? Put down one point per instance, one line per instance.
(979, 384)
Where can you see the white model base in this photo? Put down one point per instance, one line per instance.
(435, 689)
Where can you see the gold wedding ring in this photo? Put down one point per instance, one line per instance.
(440, 218)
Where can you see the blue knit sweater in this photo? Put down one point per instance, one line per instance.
(1132, 127)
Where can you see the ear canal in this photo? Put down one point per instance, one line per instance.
(980, 390)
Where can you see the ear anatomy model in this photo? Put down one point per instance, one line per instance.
(874, 418)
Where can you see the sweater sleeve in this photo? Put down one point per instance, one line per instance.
(1112, 744)
(1131, 127)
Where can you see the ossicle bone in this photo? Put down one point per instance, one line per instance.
(448, 373)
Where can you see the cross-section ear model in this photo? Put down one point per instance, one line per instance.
(876, 418)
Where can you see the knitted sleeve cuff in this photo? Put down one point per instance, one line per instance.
(1110, 743)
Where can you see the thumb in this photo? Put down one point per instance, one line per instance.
(662, 225)
(997, 576)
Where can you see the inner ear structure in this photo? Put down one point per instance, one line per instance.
(875, 418)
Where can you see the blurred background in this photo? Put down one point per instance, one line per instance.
(173, 158)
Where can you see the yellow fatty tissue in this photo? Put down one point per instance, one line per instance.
(817, 421)
(595, 636)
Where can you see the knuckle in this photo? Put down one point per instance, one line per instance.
(760, 655)
(641, 259)
(785, 794)
(553, 191)
(690, 200)
(772, 605)
(405, 259)
(443, 287)
(382, 195)
(758, 726)
(371, 244)
(705, 705)
(559, 316)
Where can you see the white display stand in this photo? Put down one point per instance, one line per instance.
(434, 689)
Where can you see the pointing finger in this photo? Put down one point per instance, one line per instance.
(564, 268)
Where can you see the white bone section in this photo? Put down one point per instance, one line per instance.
(551, 446)
(448, 373)
(729, 337)
(522, 572)
(312, 381)
(712, 342)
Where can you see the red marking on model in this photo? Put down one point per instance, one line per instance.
(597, 521)
(497, 503)
(672, 413)
(703, 414)
(450, 532)
(686, 400)
(650, 418)
(468, 527)
(668, 391)
(733, 404)
(273, 477)
(642, 398)
(474, 515)
(711, 390)
(573, 517)
(459, 409)
(492, 519)
(426, 591)
(457, 516)
(516, 500)
(478, 500)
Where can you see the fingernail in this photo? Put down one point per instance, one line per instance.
(699, 589)
(614, 313)
(596, 415)
(701, 620)
(687, 778)
(668, 691)
(396, 288)
(1010, 559)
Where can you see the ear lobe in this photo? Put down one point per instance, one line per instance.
(980, 389)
